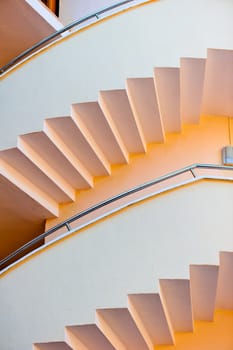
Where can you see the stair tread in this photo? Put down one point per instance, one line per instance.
(45, 167)
(87, 337)
(143, 101)
(167, 86)
(150, 318)
(12, 195)
(25, 184)
(120, 329)
(203, 285)
(45, 148)
(224, 298)
(51, 346)
(175, 294)
(115, 105)
(90, 116)
(89, 155)
(64, 150)
(192, 71)
(16, 159)
(218, 83)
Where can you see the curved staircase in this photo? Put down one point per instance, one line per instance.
(183, 308)
(48, 167)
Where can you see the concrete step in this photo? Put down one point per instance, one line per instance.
(143, 101)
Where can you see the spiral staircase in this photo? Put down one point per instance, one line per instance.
(48, 167)
(186, 314)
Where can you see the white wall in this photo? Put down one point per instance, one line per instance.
(126, 253)
(103, 56)
(70, 10)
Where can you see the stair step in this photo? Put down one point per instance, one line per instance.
(218, 83)
(57, 145)
(63, 130)
(143, 101)
(90, 118)
(224, 298)
(120, 329)
(203, 286)
(47, 151)
(149, 316)
(192, 71)
(92, 142)
(116, 107)
(22, 173)
(167, 86)
(45, 167)
(175, 294)
(17, 160)
(51, 346)
(11, 196)
(87, 337)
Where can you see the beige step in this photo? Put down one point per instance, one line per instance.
(87, 337)
(116, 107)
(218, 83)
(17, 160)
(203, 285)
(167, 86)
(51, 346)
(22, 218)
(77, 177)
(44, 166)
(70, 149)
(149, 316)
(22, 173)
(175, 294)
(11, 196)
(90, 118)
(192, 72)
(224, 298)
(71, 140)
(143, 101)
(120, 329)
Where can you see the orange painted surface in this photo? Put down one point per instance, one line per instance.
(196, 144)
(207, 335)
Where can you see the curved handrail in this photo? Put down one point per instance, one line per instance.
(36, 47)
(113, 199)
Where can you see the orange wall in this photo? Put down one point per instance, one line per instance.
(207, 335)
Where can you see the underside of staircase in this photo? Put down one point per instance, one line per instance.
(49, 168)
(195, 313)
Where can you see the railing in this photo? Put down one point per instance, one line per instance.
(96, 15)
(192, 169)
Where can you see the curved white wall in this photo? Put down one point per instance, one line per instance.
(125, 253)
(102, 57)
(70, 10)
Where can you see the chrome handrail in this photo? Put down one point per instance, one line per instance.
(113, 199)
(66, 28)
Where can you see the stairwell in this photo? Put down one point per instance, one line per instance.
(186, 314)
(51, 166)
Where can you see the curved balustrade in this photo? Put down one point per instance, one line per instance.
(211, 172)
(107, 11)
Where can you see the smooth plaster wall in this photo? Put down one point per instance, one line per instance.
(70, 10)
(126, 253)
(102, 57)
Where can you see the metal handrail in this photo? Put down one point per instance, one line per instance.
(113, 199)
(66, 28)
